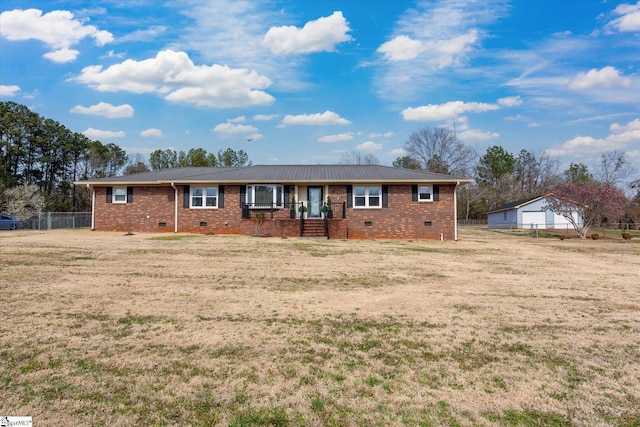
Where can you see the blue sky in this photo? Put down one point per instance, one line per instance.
(295, 82)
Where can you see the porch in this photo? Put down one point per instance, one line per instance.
(269, 220)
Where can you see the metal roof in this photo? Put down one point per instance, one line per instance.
(279, 174)
(518, 204)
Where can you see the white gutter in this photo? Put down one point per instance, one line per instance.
(175, 216)
(93, 207)
(455, 210)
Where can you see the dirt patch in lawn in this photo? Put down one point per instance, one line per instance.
(109, 329)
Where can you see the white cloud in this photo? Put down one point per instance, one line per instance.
(398, 152)
(381, 135)
(113, 54)
(447, 111)
(9, 90)
(173, 75)
(472, 135)
(442, 52)
(152, 133)
(147, 35)
(632, 126)
(104, 109)
(341, 137)
(628, 18)
(265, 117)
(62, 55)
(98, 134)
(230, 128)
(510, 101)
(321, 35)
(448, 52)
(619, 138)
(533, 125)
(58, 29)
(239, 119)
(369, 146)
(607, 77)
(401, 48)
(317, 119)
(429, 45)
(239, 27)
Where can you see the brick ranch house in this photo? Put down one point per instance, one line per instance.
(334, 201)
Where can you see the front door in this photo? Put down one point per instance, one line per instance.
(315, 202)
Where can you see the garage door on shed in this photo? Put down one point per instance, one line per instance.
(536, 218)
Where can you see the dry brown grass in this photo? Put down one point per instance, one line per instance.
(107, 329)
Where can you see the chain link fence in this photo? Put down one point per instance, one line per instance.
(52, 220)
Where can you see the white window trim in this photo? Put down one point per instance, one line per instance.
(367, 197)
(115, 194)
(250, 197)
(430, 199)
(204, 197)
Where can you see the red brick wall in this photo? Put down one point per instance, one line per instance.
(403, 219)
(225, 220)
(154, 205)
(150, 206)
(271, 227)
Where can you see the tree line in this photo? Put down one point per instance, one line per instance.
(500, 177)
(40, 159)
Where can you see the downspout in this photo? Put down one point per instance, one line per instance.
(93, 207)
(455, 210)
(175, 215)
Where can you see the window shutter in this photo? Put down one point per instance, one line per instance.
(414, 193)
(109, 194)
(385, 196)
(129, 194)
(286, 196)
(221, 196)
(349, 196)
(436, 193)
(185, 196)
(243, 194)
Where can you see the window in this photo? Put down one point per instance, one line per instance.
(265, 196)
(204, 197)
(367, 197)
(425, 193)
(120, 195)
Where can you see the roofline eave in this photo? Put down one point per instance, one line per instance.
(460, 181)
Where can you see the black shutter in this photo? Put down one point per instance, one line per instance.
(221, 196)
(286, 196)
(129, 194)
(109, 194)
(414, 193)
(349, 196)
(185, 196)
(436, 193)
(385, 196)
(243, 195)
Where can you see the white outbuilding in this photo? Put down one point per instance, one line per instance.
(529, 213)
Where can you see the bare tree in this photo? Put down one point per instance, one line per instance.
(439, 150)
(358, 158)
(469, 200)
(407, 162)
(535, 175)
(614, 168)
(136, 164)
